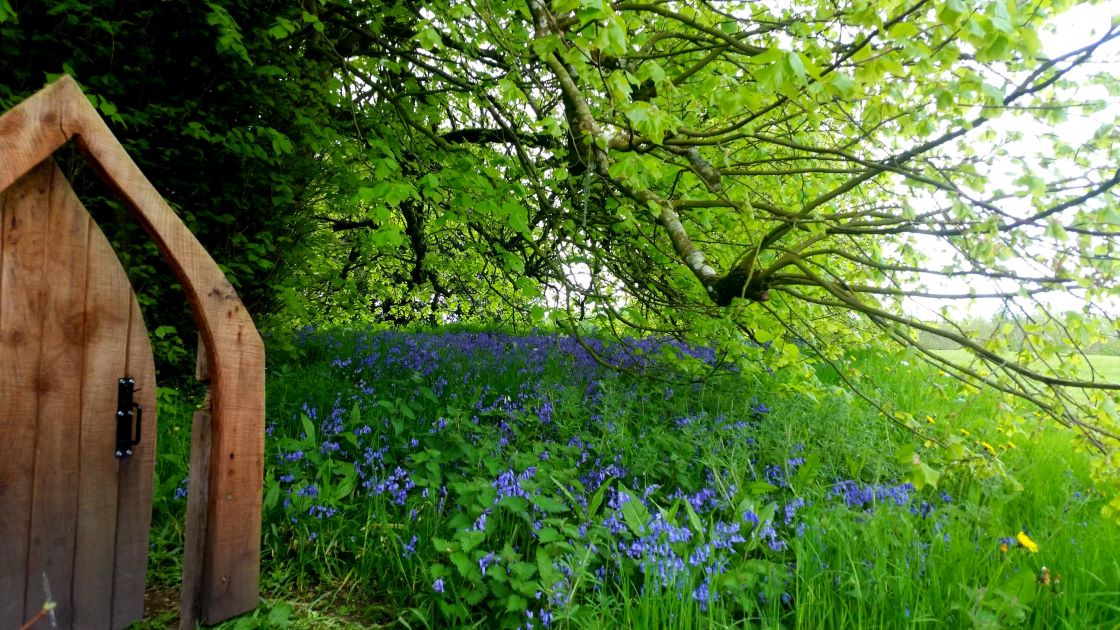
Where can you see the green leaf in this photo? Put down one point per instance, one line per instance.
(757, 488)
(516, 603)
(611, 37)
(549, 535)
(693, 518)
(308, 427)
(548, 504)
(280, 616)
(795, 64)
(597, 499)
(429, 39)
(636, 515)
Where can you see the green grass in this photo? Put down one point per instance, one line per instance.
(490, 445)
(1101, 367)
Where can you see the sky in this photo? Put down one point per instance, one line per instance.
(1073, 29)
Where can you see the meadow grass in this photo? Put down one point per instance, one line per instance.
(485, 479)
(1100, 367)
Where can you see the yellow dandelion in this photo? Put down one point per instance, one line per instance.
(929, 419)
(965, 432)
(1026, 542)
(1011, 445)
(988, 447)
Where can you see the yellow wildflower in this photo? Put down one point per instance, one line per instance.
(929, 419)
(988, 447)
(1026, 542)
(965, 432)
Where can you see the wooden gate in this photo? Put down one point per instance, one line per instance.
(75, 530)
(74, 514)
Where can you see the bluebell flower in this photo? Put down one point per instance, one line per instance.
(702, 595)
(181, 491)
(770, 536)
(437, 585)
(485, 562)
(791, 508)
(726, 535)
(321, 511)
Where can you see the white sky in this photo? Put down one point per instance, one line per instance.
(1074, 29)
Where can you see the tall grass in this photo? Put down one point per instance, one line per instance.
(494, 480)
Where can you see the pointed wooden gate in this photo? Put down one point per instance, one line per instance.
(74, 530)
(75, 504)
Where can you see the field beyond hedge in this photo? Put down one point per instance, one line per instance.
(483, 479)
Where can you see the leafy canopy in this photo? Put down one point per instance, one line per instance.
(782, 180)
(792, 174)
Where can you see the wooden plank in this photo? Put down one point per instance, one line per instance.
(107, 321)
(190, 595)
(51, 548)
(134, 501)
(32, 131)
(236, 468)
(21, 315)
(192, 586)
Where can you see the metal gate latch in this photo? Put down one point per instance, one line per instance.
(127, 411)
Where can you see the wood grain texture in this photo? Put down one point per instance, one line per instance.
(231, 549)
(197, 498)
(65, 224)
(22, 250)
(77, 290)
(107, 321)
(134, 498)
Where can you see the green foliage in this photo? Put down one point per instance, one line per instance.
(796, 174)
(421, 480)
(222, 120)
(779, 182)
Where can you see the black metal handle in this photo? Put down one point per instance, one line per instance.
(129, 415)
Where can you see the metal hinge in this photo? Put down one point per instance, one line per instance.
(128, 416)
